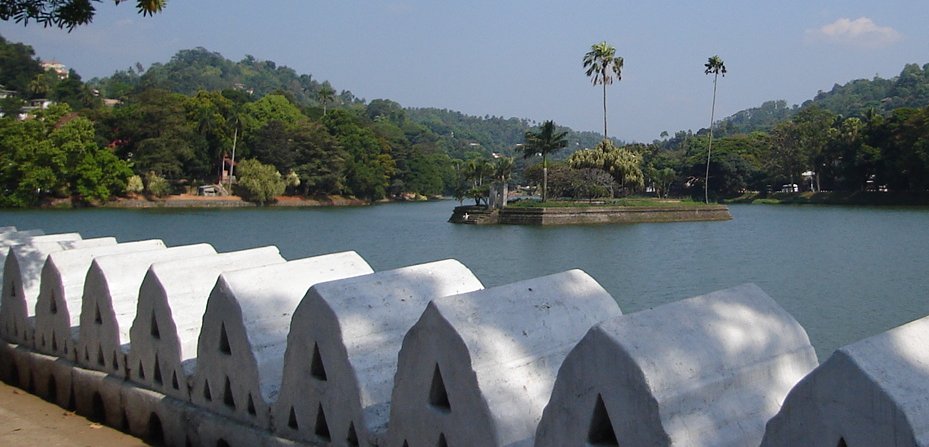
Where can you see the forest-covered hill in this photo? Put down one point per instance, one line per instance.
(857, 98)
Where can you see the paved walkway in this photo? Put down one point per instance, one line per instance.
(27, 420)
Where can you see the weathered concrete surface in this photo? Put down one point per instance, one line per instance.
(708, 371)
(22, 272)
(172, 301)
(159, 419)
(58, 307)
(874, 392)
(342, 351)
(240, 354)
(478, 368)
(111, 298)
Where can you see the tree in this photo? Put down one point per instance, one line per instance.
(716, 66)
(503, 170)
(623, 165)
(259, 182)
(602, 63)
(544, 142)
(325, 95)
(64, 13)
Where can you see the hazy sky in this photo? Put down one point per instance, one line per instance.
(522, 58)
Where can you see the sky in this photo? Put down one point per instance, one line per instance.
(515, 58)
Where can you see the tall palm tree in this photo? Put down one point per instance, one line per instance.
(544, 142)
(326, 96)
(602, 63)
(716, 66)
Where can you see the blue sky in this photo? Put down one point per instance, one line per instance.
(521, 58)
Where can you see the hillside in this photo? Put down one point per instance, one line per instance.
(856, 98)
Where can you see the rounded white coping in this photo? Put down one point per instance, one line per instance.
(111, 297)
(705, 371)
(478, 368)
(22, 272)
(172, 301)
(357, 326)
(240, 352)
(58, 307)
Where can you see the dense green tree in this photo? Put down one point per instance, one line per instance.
(623, 165)
(544, 142)
(602, 64)
(258, 182)
(717, 67)
(370, 166)
(18, 66)
(55, 155)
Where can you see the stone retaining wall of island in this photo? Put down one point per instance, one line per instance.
(588, 215)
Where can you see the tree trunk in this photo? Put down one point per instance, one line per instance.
(504, 192)
(604, 110)
(709, 149)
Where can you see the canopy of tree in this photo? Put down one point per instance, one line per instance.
(64, 13)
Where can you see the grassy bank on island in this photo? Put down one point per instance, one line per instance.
(860, 198)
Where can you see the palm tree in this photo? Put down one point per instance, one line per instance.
(602, 63)
(325, 95)
(544, 142)
(503, 170)
(716, 66)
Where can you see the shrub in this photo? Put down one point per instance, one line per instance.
(258, 182)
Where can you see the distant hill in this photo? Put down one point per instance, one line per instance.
(856, 98)
(200, 69)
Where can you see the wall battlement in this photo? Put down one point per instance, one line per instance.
(326, 351)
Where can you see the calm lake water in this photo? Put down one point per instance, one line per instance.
(844, 273)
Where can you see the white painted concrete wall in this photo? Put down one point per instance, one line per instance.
(240, 353)
(58, 307)
(708, 371)
(874, 392)
(22, 271)
(357, 326)
(172, 301)
(27, 237)
(110, 301)
(478, 368)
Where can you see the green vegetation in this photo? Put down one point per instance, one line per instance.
(189, 121)
(64, 13)
(55, 155)
(544, 142)
(258, 182)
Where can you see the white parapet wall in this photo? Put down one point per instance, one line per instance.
(874, 392)
(478, 368)
(342, 351)
(240, 353)
(28, 237)
(22, 272)
(172, 300)
(708, 371)
(110, 301)
(58, 307)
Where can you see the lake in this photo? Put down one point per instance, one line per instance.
(845, 273)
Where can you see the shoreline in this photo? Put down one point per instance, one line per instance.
(856, 198)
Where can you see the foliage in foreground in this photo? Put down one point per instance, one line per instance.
(55, 155)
